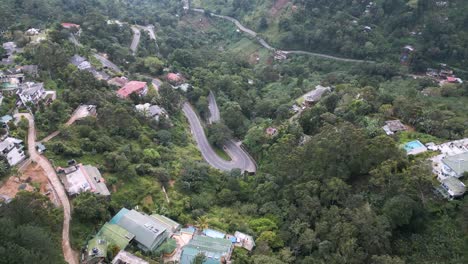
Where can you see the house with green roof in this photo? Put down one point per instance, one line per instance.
(170, 224)
(96, 251)
(149, 232)
(116, 235)
(110, 234)
(216, 250)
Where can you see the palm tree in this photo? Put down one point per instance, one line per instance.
(201, 224)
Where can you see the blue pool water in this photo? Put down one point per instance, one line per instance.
(413, 145)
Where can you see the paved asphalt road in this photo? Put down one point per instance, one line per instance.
(107, 63)
(150, 30)
(214, 110)
(56, 185)
(136, 39)
(240, 159)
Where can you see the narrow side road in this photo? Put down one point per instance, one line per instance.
(56, 185)
(269, 47)
(150, 30)
(136, 39)
(239, 158)
(80, 112)
(214, 110)
(107, 63)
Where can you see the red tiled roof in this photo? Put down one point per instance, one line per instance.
(70, 25)
(451, 79)
(173, 77)
(131, 87)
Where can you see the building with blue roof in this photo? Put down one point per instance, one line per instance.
(216, 250)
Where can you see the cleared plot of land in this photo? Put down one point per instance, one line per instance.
(31, 177)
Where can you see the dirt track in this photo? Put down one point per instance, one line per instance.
(43, 162)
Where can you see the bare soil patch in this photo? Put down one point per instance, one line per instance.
(28, 180)
(277, 7)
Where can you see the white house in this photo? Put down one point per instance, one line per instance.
(455, 165)
(32, 31)
(12, 149)
(152, 111)
(31, 92)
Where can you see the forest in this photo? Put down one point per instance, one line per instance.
(358, 29)
(331, 187)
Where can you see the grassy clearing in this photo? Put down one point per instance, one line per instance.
(407, 136)
(220, 152)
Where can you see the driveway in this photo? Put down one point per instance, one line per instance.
(56, 185)
(214, 110)
(80, 113)
(239, 158)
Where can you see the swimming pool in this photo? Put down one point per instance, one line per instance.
(413, 145)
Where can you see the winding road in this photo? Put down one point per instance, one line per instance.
(150, 30)
(136, 39)
(239, 158)
(107, 63)
(56, 185)
(269, 47)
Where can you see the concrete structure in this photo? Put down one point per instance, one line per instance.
(271, 131)
(455, 165)
(30, 70)
(83, 65)
(126, 258)
(31, 92)
(393, 126)
(149, 232)
(110, 234)
(11, 49)
(175, 78)
(314, 96)
(96, 251)
(5, 119)
(452, 188)
(32, 31)
(12, 149)
(151, 111)
(216, 250)
(171, 225)
(183, 87)
(452, 160)
(140, 88)
(40, 147)
(79, 178)
(244, 240)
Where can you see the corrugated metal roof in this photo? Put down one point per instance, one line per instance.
(458, 163)
(119, 216)
(169, 223)
(116, 235)
(213, 248)
(148, 232)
